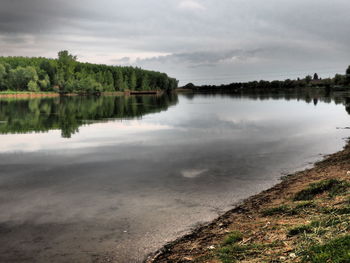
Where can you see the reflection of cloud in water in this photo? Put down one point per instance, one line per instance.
(90, 136)
(193, 173)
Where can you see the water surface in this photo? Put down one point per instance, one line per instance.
(90, 179)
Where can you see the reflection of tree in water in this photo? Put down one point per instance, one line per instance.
(347, 105)
(304, 94)
(69, 113)
(348, 109)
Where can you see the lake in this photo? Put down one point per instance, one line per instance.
(89, 179)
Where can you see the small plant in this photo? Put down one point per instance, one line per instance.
(234, 237)
(335, 251)
(334, 186)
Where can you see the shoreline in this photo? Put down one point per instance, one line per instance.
(21, 95)
(206, 242)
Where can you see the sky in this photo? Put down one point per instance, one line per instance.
(199, 41)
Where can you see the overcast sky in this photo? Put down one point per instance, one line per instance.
(202, 41)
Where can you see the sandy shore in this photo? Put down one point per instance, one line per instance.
(266, 219)
(29, 95)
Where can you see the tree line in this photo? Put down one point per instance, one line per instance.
(66, 75)
(309, 81)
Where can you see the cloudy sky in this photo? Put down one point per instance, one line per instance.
(203, 41)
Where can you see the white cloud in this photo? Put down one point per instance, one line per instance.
(191, 5)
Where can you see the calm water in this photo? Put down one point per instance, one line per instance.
(86, 179)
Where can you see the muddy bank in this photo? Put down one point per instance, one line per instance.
(266, 221)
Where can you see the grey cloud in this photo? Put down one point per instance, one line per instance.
(222, 41)
(203, 58)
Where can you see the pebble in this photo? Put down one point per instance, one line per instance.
(211, 247)
(292, 255)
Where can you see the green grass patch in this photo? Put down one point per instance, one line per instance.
(333, 186)
(335, 251)
(233, 237)
(235, 253)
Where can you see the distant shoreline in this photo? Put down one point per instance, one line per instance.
(264, 220)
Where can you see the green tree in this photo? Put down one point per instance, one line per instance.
(347, 75)
(20, 77)
(66, 64)
(145, 83)
(308, 79)
(33, 86)
(119, 82)
(133, 81)
(44, 83)
(3, 74)
(67, 74)
(315, 76)
(339, 79)
(126, 83)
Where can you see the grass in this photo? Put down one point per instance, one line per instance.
(333, 186)
(335, 251)
(337, 211)
(234, 237)
(321, 239)
(236, 253)
(231, 251)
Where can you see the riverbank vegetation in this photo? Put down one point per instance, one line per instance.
(305, 219)
(337, 82)
(66, 75)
